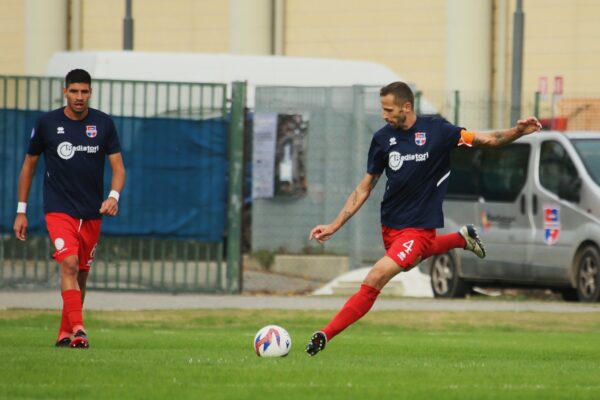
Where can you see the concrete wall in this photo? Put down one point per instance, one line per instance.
(12, 37)
(181, 25)
(561, 38)
(45, 32)
(468, 57)
(407, 36)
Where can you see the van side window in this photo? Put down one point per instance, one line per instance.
(504, 172)
(464, 173)
(556, 167)
(493, 174)
(589, 151)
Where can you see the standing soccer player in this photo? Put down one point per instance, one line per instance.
(75, 141)
(414, 152)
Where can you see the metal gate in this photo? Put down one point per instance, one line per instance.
(157, 259)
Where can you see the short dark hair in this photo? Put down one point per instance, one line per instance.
(78, 76)
(401, 92)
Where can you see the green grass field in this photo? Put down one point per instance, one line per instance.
(208, 354)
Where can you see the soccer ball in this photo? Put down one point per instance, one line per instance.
(272, 341)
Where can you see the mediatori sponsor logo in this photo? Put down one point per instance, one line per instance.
(66, 150)
(396, 159)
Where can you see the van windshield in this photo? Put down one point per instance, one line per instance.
(589, 150)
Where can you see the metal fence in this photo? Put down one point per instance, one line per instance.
(342, 122)
(121, 262)
(576, 113)
(190, 100)
(479, 111)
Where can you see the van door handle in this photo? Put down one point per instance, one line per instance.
(523, 204)
(534, 204)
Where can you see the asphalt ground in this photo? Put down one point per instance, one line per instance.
(104, 300)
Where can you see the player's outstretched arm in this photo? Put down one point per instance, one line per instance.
(500, 138)
(322, 233)
(25, 180)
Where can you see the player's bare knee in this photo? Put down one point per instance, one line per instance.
(70, 266)
(376, 278)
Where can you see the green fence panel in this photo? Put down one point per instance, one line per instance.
(124, 263)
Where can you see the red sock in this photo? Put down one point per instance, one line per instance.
(444, 243)
(356, 306)
(65, 329)
(72, 306)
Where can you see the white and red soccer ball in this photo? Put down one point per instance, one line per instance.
(272, 341)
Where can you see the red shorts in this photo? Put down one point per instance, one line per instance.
(408, 246)
(72, 236)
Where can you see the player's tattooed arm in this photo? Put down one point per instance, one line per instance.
(346, 216)
(354, 198)
(357, 198)
(502, 137)
(493, 139)
(349, 209)
(375, 180)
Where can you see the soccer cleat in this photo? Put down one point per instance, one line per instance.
(318, 340)
(64, 342)
(80, 340)
(474, 243)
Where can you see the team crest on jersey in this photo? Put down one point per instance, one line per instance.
(91, 131)
(395, 160)
(420, 138)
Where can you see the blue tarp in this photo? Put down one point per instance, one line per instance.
(176, 176)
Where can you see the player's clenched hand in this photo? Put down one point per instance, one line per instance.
(20, 226)
(528, 125)
(321, 233)
(109, 207)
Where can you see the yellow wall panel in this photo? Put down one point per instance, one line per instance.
(182, 25)
(563, 38)
(406, 36)
(102, 24)
(12, 37)
(186, 25)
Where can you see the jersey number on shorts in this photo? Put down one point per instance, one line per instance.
(407, 249)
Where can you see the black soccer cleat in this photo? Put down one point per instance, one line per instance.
(317, 343)
(64, 342)
(80, 340)
(474, 243)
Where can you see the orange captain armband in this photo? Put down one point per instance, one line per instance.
(466, 138)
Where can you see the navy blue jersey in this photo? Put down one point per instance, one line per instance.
(74, 154)
(417, 166)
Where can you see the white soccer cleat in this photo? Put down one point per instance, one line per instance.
(474, 243)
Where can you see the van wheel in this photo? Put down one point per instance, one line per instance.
(445, 281)
(588, 274)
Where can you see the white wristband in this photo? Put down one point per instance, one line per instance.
(114, 194)
(21, 207)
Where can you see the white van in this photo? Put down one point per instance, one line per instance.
(537, 205)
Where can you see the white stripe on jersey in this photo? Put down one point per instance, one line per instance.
(443, 178)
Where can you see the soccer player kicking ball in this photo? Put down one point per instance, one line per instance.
(414, 152)
(75, 141)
